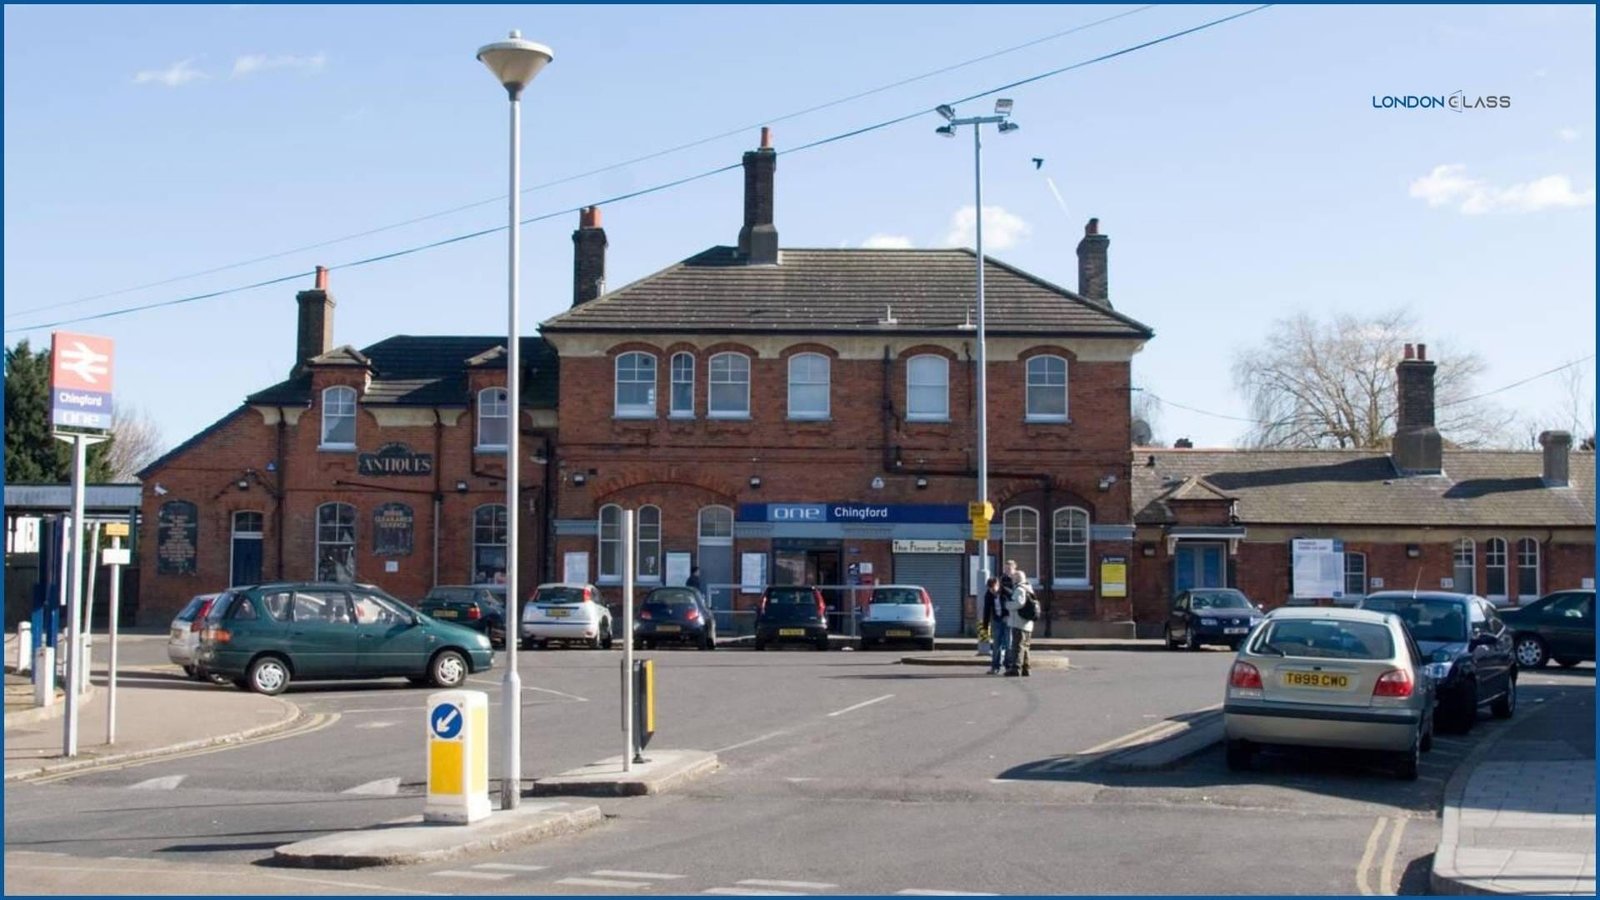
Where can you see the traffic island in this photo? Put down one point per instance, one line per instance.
(662, 770)
(1035, 661)
(411, 840)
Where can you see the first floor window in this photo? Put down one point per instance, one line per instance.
(683, 385)
(336, 542)
(729, 378)
(1527, 569)
(808, 386)
(1020, 537)
(1047, 389)
(1071, 539)
(489, 544)
(636, 386)
(339, 417)
(1494, 567)
(611, 543)
(493, 418)
(1355, 574)
(928, 388)
(649, 559)
(1466, 567)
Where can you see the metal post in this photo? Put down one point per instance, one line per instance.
(80, 449)
(983, 352)
(627, 640)
(511, 690)
(111, 674)
(88, 605)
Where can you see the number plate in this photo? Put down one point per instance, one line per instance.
(444, 614)
(898, 632)
(557, 613)
(1320, 680)
(667, 628)
(1235, 631)
(791, 632)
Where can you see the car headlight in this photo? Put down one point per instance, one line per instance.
(1208, 621)
(483, 640)
(1438, 671)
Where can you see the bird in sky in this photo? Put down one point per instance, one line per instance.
(1038, 163)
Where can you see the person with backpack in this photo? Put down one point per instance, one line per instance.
(1021, 609)
(994, 619)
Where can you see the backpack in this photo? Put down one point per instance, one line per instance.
(1029, 610)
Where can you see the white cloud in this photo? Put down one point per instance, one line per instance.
(260, 62)
(1449, 186)
(1541, 73)
(178, 74)
(1568, 134)
(887, 242)
(1001, 229)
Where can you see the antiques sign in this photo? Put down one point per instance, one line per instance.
(395, 459)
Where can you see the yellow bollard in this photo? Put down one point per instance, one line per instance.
(458, 757)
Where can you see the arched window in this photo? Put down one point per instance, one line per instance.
(647, 564)
(489, 544)
(636, 386)
(729, 380)
(336, 542)
(928, 389)
(1527, 570)
(1020, 539)
(1047, 389)
(610, 543)
(1466, 567)
(808, 386)
(1071, 540)
(493, 419)
(716, 526)
(683, 385)
(339, 418)
(1496, 566)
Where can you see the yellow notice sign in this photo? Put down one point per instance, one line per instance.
(980, 512)
(115, 529)
(1114, 576)
(980, 531)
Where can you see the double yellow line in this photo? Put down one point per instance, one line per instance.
(313, 722)
(1386, 882)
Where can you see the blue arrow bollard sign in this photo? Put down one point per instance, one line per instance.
(445, 720)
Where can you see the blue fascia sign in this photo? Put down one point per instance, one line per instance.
(854, 513)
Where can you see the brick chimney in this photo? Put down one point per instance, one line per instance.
(1092, 264)
(1557, 447)
(758, 239)
(588, 257)
(315, 334)
(1418, 449)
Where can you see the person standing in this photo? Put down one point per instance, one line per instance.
(994, 618)
(694, 580)
(1019, 627)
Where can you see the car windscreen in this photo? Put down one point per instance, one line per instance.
(782, 596)
(1428, 618)
(672, 597)
(192, 608)
(561, 596)
(897, 595)
(1324, 639)
(1219, 600)
(449, 595)
(219, 608)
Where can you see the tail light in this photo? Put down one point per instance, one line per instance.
(1394, 683)
(694, 614)
(199, 622)
(587, 595)
(822, 608)
(474, 613)
(927, 604)
(645, 614)
(218, 635)
(1244, 675)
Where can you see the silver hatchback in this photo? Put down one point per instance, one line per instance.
(1330, 677)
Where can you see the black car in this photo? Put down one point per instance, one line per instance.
(1203, 616)
(481, 607)
(676, 615)
(792, 614)
(1468, 648)
(1558, 626)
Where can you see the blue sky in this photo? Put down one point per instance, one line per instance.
(1242, 172)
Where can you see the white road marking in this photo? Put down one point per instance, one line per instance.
(557, 693)
(615, 873)
(482, 876)
(914, 892)
(799, 779)
(796, 885)
(510, 867)
(352, 884)
(1386, 883)
(603, 883)
(382, 787)
(841, 712)
(1364, 869)
(755, 740)
(748, 892)
(1007, 780)
(386, 709)
(377, 724)
(164, 783)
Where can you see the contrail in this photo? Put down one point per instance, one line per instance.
(1052, 182)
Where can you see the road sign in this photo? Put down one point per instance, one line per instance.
(115, 529)
(980, 531)
(116, 556)
(458, 757)
(445, 720)
(980, 512)
(80, 381)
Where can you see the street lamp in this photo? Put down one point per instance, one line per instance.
(1002, 118)
(515, 63)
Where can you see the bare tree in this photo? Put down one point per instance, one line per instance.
(1579, 402)
(1332, 384)
(135, 442)
(1146, 418)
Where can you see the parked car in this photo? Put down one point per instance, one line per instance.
(262, 637)
(792, 614)
(1203, 616)
(674, 615)
(185, 636)
(562, 611)
(481, 607)
(1557, 626)
(1469, 651)
(1330, 677)
(898, 612)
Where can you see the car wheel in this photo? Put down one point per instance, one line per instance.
(1464, 712)
(1240, 756)
(188, 671)
(1409, 762)
(1191, 641)
(605, 636)
(1166, 635)
(1567, 662)
(928, 645)
(1505, 706)
(1234, 645)
(760, 645)
(268, 675)
(822, 644)
(448, 669)
(1531, 652)
(1427, 737)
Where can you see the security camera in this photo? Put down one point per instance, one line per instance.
(160, 491)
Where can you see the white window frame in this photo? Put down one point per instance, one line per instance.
(647, 540)
(338, 406)
(712, 383)
(1470, 560)
(826, 384)
(646, 410)
(1492, 548)
(1522, 565)
(495, 510)
(353, 543)
(943, 384)
(676, 411)
(1028, 387)
(1057, 546)
(1007, 543)
(714, 540)
(615, 540)
(494, 403)
(1354, 556)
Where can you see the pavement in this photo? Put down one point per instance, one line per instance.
(1519, 814)
(413, 840)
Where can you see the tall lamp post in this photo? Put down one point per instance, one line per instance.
(1002, 118)
(514, 63)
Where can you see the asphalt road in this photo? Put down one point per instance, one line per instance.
(842, 772)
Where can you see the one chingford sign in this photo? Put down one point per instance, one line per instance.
(395, 459)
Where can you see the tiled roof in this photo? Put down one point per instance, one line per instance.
(1359, 487)
(820, 291)
(410, 370)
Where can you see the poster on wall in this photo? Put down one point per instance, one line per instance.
(575, 567)
(392, 527)
(1318, 569)
(752, 572)
(1114, 576)
(677, 568)
(177, 533)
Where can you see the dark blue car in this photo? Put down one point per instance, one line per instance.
(1203, 616)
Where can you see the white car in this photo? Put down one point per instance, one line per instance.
(568, 612)
(898, 612)
(184, 638)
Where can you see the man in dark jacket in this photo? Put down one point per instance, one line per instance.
(994, 616)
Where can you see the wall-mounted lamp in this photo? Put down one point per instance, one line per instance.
(539, 459)
(461, 487)
(1413, 551)
(1147, 549)
(1107, 482)
(243, 484)
(922, 483)
(755, 481)
(877, 483)
(579, 479)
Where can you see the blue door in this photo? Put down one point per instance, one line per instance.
(1199, 565)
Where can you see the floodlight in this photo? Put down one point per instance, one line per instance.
(1002, 107)
(948, 131)
(946, 110)
(1006, 127)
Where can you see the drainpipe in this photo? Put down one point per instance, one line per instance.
(1048, 539)
(283, 488)
(438, 491)
(887, 408)
(547, 559)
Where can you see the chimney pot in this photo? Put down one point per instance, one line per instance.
(1411, 352)
(1422, 351)
(589, 217)
(322, 278)
(766, 137)
(1093, 227)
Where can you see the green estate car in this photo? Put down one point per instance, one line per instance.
(263, 636)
